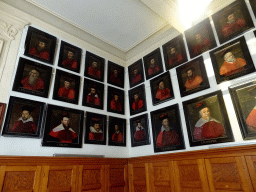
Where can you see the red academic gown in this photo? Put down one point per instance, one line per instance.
(43, 54)
(67, 93)
(94, 71)
(136, 78)
(204, 46)
(70, 63)
(140, 134)
(137, 104)
(167, 138)
(152, 70)
(64, 136)
(251, 120)
(93, 99)
(230, 28)
(231, 68)
(115, 79)
(24, 127)
(94, 135)
(38, 85)
(175, 59)
(117, 137)
(163, 93)
(116, 105)
(193, 83)
(208, 130)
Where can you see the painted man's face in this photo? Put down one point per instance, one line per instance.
(25, 115)
(70, 55)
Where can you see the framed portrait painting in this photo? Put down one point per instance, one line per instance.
(232, 21)
(192, 77)
(115, 74)
(24, 118)
(40, 45)
(161, 88)
(200, 38)
(139, 130)
(32, 78)
(174, 52)
(94, 66)
(66, 87)
(244, 100)
(115, 100)
(63, 127)
(136, 74)
(153, 64)
(166, 128)
(137, 100)
(207, 120)
(232, 60)
(116, 131)
(95, 130)
(93, 95)
(70, 57)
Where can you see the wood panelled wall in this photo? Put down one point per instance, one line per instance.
(230, 169)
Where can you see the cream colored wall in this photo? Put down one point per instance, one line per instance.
(10, 16)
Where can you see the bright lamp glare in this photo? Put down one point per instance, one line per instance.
(191, 9)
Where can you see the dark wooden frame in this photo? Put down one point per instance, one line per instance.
(194, 65)
(17, 85)
(137, 65)
(180, 57)
(244, 102)
(111, 126)
(16, 101)
(215, 103)
(156, 54)
(2, 112)
(140, 90)
(175, 124)
(111, 67)
(63, 54)
(103, 122)
(61, 75)
(31, 34)
(166, 78)
(203, 28)
(99, 87)
(53, 120)
(221, 17)
(90, 57)
(144, 122)
(249, 67)
(111, 91)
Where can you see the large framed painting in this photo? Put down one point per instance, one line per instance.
(66, 87)
(136, 74)
(139, 130)
(115, 100)
(200, 38)
(244, 100)
(232, 60)
(40, 45)
(174, 52)
(24, 118)
(166, 128)
(153, 64)
(232, 21)
(94, 66)
(70, 57)
(115, 74)
(32, 78)
(137, 100)
(93, 95)
(161, 88)
(63, 127)
(116, 131)
(207, 120)
(95, 130)
(192, 77)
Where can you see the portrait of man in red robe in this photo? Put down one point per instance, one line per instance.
(162, 91)
(94, 70)
(70, 62)
(139, 134)
(174, 56)
(114, 77)
(136, 77)
(153, 67)
(118, 135)
(201, 45)
(66, 91)
(39, 49)
(207, 127)
(137, 101)
(93, 97)
(25, 124)
(96, 130)
(33, 81)
(63, 132)
(115, 103)
(251, 119)
(192, 81)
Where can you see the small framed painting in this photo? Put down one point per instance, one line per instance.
(136, 74)
(40, 45)
(115, 100)
(115, 74)
(116, 131)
